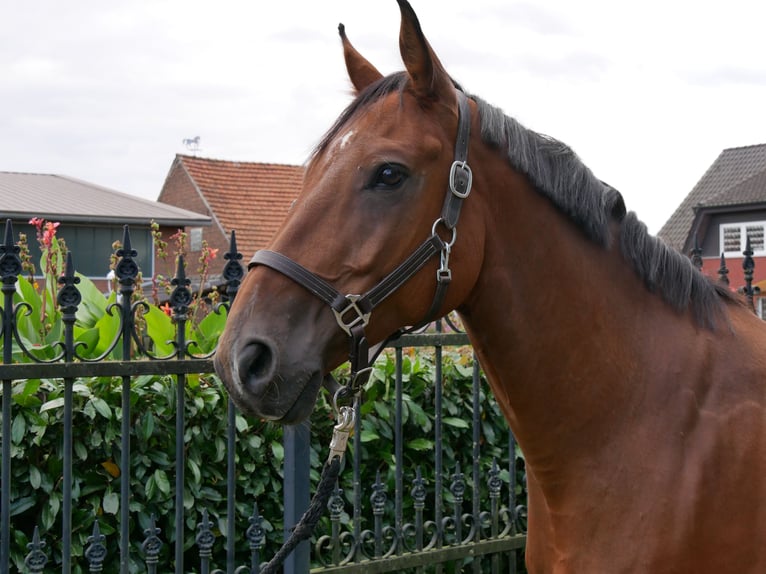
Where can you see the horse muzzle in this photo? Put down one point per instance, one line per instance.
(266, 383)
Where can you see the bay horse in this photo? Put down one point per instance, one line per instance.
(635, 386)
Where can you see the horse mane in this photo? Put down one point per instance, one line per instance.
(556, 171)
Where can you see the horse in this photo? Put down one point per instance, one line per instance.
(635, 386)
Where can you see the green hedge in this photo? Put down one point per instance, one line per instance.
(37, 459)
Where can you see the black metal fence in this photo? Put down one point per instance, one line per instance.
(440, 519)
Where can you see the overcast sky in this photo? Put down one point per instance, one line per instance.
(647, 93)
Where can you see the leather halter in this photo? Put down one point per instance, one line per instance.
(352, 312)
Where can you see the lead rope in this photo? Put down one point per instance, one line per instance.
(302, 531)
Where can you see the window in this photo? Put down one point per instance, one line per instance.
(91, 246)
(734, 238)
(195, 239)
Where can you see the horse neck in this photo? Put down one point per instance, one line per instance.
(553, 319)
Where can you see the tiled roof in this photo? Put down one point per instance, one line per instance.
(64, 198)
(737, 176)
(251, 198)
(752, 190)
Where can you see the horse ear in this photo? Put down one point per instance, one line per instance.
(360, 71)
(429, 78)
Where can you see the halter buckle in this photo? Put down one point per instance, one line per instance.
(460, 179)
(358, 315)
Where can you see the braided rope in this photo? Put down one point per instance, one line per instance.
(308, 521)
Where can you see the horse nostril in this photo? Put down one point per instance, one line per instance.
(257, 364)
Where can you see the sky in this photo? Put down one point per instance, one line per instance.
(647, 93)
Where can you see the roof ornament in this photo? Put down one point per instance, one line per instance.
(192, 144)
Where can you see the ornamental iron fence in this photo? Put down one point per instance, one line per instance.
(440, 519)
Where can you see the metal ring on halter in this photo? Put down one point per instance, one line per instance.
(451, 242)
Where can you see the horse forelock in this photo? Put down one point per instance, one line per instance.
(556, 171)
(372, 93)
(394, 83)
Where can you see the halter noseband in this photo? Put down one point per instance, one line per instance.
(352, 312)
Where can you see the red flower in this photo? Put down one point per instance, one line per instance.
(167, 309)
(211, 254)
(37, 222)
(49, 233)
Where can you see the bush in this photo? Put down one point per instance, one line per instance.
(37, 457)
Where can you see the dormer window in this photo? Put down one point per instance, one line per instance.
(734, 238)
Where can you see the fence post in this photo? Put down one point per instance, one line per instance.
(297, 466)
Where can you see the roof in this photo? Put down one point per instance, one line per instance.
(65, 198)
(251, 198)
(737, 177)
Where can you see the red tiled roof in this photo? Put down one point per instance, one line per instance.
(251, 198)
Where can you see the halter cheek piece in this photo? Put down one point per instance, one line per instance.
(352, 312)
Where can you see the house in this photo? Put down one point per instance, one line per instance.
(725, 209)
(247, 197)
(91, 219)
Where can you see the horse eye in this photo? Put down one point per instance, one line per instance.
(388, 176)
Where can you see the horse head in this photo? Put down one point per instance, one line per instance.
(373, 194)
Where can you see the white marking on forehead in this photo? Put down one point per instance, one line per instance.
(346, 138)
(338, 145)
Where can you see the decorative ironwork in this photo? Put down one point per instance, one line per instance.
(152, 544)
(10, 262)
(378, 497)
(69, 297)
(95, 553)
(723, 271)
(349, 541)
(494, 481)
(205, 537)
(255, 538)
(36, 559)
(696, 254)
(748, 266)
(181, 296)
(233, 272)
(335, 504)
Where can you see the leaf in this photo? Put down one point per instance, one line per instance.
(24, 394)
(108, 329)
(456, 422)
(111, 468)
(161, 330)
(210, 328)
(35, 478)
(241, 424)
(102, 407)
(111, 504)
(57, 403)
(382, 409)
(88, 339)
(195, 470)
(93, 304)
(50, 511)
(18, 429)
(147, 426)
(150, 488)
(80, 450)
(278, 451)
(163, 484)
(22, 505)
(368, 436)
(420, 444)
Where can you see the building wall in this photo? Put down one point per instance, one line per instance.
(736, 275)
(179, 190)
